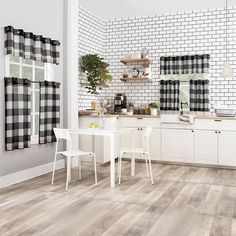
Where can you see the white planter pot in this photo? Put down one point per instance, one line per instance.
(153, 111)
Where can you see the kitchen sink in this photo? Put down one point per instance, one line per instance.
(176, 119)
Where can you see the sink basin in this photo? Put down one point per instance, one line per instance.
(175, 119)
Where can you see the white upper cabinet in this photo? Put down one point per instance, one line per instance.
(178, 145)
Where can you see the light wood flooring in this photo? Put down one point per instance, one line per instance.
(184, 200)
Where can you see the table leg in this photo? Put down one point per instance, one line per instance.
(112, 165)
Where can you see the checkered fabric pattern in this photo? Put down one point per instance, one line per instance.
(193, 64)
(199, 95)
(169, 95)
(30, 46)
(49, 116)
(17, 113)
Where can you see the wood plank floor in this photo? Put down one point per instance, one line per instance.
(184, 200)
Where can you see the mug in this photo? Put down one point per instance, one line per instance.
(123, 111)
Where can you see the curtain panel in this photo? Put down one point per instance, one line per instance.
(192, 64)
(31, 46)
(49, 116)
(199, 95)
(17, 113)
(169, 95)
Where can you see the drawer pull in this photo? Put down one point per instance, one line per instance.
(139, 118)
(217, 120)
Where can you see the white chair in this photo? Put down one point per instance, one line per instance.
(63, 134)
(144, 153)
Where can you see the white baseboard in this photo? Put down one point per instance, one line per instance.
(23, 175)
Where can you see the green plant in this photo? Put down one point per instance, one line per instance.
(93, 67)
(153, 105)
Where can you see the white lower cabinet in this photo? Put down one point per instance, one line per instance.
(206, 146)
(227, 148)
(212, 141)
(178, 145)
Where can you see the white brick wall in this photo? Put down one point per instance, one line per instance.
(184, 33)
(91, 41)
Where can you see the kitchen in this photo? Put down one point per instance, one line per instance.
(119, 117)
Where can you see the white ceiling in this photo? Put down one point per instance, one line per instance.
(110, 9)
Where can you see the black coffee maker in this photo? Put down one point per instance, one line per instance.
(119, 102)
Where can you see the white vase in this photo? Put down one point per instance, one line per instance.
(153, 111)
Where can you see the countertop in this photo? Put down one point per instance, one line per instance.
(208, 117)
(92, 114)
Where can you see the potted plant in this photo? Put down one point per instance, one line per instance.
(94, 69)
(153, 108)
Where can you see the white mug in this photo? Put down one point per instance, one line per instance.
(123, 111)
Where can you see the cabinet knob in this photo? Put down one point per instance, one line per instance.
(216, 132)
(192, 131)
(219, 132)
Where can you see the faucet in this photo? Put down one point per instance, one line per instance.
(181, 107)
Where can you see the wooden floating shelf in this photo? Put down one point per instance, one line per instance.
(143, 61)
(135, 79)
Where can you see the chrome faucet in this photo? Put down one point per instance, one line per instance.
(181, 107)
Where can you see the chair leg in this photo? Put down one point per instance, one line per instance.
(68, 171)
(80, 167)
(95, 168)
(133, 165)
(54, 167)
(150, 167)
(146, 161)
(120, 167)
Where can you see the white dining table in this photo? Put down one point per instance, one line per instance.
(111, 133)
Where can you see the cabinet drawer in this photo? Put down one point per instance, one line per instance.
(215, 124)
(139, 122)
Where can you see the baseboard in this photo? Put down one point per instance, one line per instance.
(23, 175)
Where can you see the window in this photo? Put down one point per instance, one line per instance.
(34, 71)
(184, 79)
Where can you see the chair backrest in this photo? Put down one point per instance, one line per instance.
(62, 134)
(146, 134)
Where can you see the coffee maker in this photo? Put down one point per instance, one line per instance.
(119, 102)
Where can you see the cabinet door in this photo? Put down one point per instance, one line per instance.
(227, 148)
(177, 145)
(154, 144)
(206, 146)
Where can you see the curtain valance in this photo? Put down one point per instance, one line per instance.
(191, 64)
(31, 46)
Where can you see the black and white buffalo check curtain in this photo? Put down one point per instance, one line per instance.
(191, 64)
(31, 46)
(169, 95)
(17, 113)
(199, 95)
(49, 116)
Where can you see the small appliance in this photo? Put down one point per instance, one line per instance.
(119, 102)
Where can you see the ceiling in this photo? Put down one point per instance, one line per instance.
(110, 9)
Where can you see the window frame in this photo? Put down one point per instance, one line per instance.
(48, 75)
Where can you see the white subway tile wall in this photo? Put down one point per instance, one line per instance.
(196, 32)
